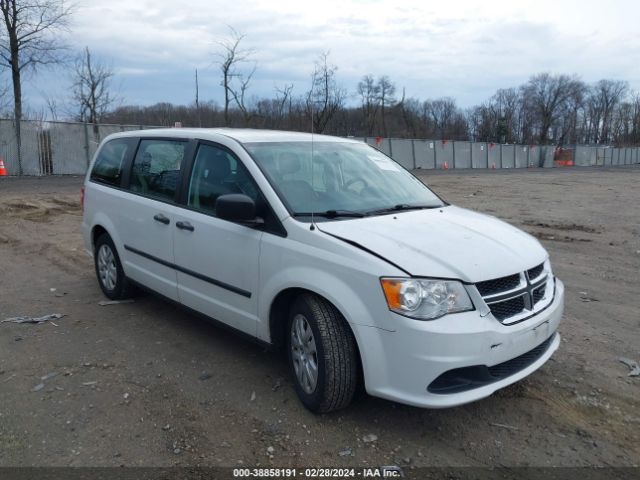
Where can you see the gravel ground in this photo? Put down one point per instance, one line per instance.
(147, 384)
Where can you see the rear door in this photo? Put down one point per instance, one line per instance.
(217, 260)
(147, 223)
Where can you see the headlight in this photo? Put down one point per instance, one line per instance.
(425, 299)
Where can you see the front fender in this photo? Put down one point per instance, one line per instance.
(340, 293)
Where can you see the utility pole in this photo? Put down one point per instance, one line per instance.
(197, 101)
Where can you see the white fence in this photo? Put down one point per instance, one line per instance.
(61, 148)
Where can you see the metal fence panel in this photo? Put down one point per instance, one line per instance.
(522, 156)
(508, 156)
(479, 156)
(494, 155)
(425, 153)
(30, 136)
(534, 156)
(8, 147)
(371, 141)
(68, 148)
(444, 154)
(385, 147)
(65, 148)
(403, 152)
(582, 156)
(461, 154)
(547, 155)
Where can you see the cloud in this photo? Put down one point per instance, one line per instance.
(460, 48)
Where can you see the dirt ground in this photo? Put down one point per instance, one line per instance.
(147, 384)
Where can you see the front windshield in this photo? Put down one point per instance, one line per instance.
(343, 177)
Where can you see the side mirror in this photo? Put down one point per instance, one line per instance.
(239, 208)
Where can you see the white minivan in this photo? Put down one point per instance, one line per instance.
(330, 249)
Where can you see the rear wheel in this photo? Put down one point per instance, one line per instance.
(111, 277)
(322, 354)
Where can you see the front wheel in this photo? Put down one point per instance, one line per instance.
(111, 277)
(322, 354)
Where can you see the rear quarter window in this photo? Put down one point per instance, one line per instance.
(108, 165)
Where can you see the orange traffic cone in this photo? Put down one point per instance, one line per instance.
(3, 171)
(445, 166)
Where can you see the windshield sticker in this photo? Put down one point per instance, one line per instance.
(383, 163)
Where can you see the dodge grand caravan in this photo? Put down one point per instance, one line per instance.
(328, 248)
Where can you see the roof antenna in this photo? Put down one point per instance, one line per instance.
(312, 227)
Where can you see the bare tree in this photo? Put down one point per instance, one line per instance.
(91, 88)
(387, 91)
(605, 97)
(325, 98)
(30, 39)
(239, 93)
(547, 96)
(283, 102)
(449, 122)
(52, 107)
(369, 93)
(231, 56)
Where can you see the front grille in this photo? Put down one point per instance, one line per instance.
(508, 308)
(515, 295)
(497, 285)
(535, 272)
(538, 293)
(467, 378)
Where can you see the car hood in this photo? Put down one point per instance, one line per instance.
(448, 242)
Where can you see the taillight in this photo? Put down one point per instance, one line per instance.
(82, 197)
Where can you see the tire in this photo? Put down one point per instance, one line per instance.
(336, 357)
(111, 277)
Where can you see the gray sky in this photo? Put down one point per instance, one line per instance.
(460, 48)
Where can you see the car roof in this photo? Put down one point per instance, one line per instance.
(242, 135)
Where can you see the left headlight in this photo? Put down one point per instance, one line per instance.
(425, 299)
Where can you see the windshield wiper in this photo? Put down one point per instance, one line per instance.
(401, 207)
(332, 214)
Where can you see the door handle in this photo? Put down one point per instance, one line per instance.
(185, 226)
(161, 218)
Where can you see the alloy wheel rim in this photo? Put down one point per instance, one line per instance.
(107, 269)
(304, 353)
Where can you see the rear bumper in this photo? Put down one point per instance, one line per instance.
(405, 365)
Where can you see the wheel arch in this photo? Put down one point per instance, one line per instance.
(96, 232)
(278, 319)
(102, 224)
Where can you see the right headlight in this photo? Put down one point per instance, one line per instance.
(425, 299)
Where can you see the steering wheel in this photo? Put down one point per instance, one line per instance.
(353, 181)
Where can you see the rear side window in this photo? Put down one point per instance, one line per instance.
(156, 168)
(108, 165)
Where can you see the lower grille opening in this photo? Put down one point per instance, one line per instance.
(467, 378)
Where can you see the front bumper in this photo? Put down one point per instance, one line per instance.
(401, 365)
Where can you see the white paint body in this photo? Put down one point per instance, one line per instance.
(400, 356)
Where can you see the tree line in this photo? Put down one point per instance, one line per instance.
(547, 109)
